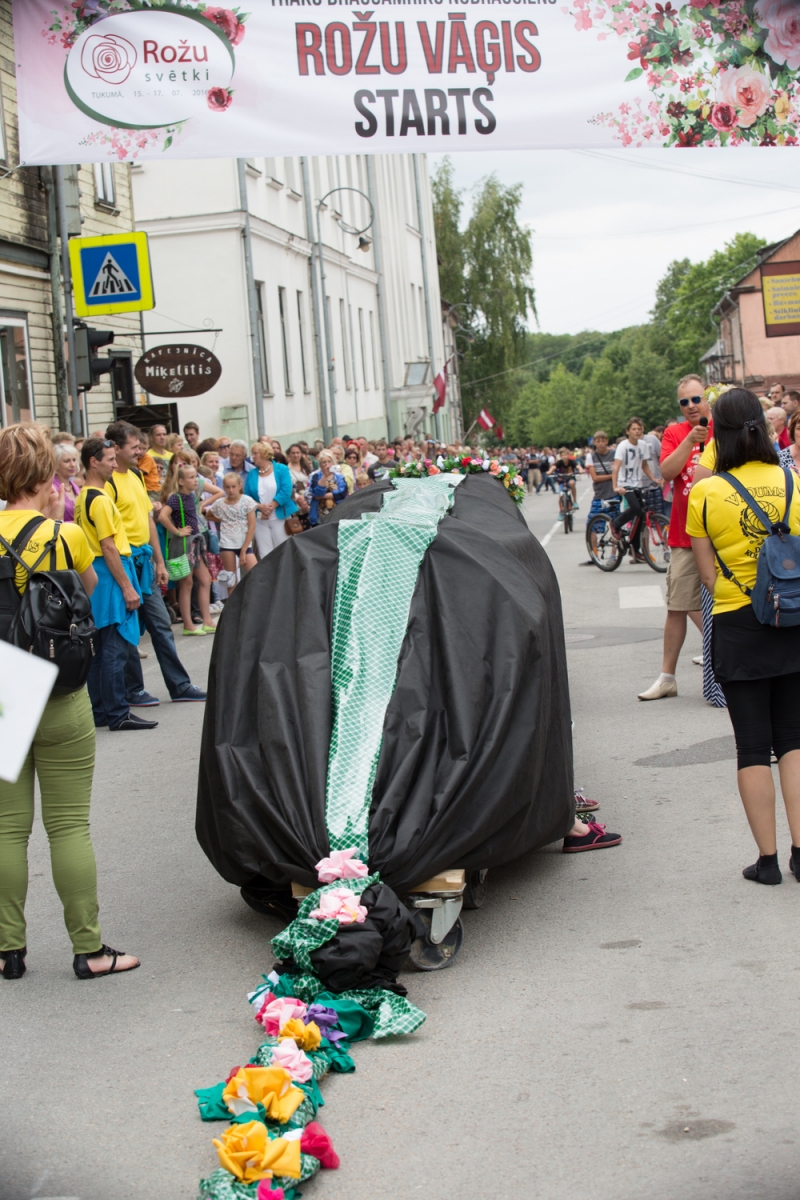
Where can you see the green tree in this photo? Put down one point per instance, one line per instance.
(447, 206)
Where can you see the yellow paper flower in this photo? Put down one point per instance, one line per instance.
(247, 1152)
(308, 1036)
(270, 1086)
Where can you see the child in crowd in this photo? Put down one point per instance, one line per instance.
(236, 514)
(179, 517)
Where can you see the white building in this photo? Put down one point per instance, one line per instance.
(382, 300)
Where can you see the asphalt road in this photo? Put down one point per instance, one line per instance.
(618, 1025)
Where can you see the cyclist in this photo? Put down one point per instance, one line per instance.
(565, 470)
(633, 477)
(600, 465)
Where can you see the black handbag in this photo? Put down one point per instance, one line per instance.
(52, 618)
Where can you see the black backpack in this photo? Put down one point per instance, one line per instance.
(52, 618)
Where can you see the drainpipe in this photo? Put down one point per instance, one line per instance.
(426, 282)
(77, 424)
(252, 299)
(376, 250)
(322, 404)
(59, 357)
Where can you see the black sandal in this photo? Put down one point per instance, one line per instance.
(80, 964)
(14, 967)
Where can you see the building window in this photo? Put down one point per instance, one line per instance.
(262, 340)
(302, 336)
(15, 385)
(374, 350)
(348, 382)
(330, 366)
(104, 188)
(363, 349)
(287, 378)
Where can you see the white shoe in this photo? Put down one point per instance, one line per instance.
(142, 653)
(659, 690)
(698, 660)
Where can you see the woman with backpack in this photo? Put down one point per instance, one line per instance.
(62, 754)
(732, 515)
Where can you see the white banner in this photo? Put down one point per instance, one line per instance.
(137, 79)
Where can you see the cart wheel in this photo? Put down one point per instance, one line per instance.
(424, 954)
(475, 889)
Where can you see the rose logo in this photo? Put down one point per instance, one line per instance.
(110, 58)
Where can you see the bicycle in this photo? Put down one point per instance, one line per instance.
(607, 551)
(565, 503)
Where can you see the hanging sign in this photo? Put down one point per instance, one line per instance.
(130, 79)
(111, 274)
(780, 285)
(174, 371)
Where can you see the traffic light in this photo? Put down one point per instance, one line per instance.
(87, 342)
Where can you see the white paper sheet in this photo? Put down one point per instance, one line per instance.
(25, 686)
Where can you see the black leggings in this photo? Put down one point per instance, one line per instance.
(765, 715)
(635, 509)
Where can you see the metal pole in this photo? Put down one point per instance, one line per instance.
(59, 357)
(327, 319)
(323, 407)
(425, 280)
(72, 373)
(252, 300)
(376, 250)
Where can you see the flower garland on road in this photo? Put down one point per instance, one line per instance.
(464, 465)
(720, 74)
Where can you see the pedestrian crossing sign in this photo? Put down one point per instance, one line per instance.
(111, 274)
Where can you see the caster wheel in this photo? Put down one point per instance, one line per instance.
(424, 954)
(475, 890)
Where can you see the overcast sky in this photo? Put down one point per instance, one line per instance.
(607, 223)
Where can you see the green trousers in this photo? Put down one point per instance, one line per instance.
(62, 756)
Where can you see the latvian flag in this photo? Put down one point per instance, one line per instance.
(485, 419)
(440, 387)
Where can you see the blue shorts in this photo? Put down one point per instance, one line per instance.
(603, 506)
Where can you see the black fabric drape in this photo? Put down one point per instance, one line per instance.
(475, 766)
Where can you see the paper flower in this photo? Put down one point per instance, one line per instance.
(307, 1037)
(288, 1055)
(341, 904)
(275, 1013)
(341, 865)
(315, 1141)
(267, 1192)
(325, 1019)
(248, 1153)
(270, 1086)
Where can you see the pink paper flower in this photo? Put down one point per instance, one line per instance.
(494, 466)
(267, 1192)
(782, 19)
(275, 1013)
(340, 904)
(748, 90)
(341, 865)
(288, 1055)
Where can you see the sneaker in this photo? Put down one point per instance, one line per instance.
(194, 632)
(561, 516)
(659, 690)
(794, 864)
(192, 694)
(143, 700)
(595, 839)
(133, 722)
(583, 803)
(698, 660)
(142, 653)
(575, 506)
(216, 607)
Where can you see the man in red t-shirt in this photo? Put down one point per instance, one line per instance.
(681, 447)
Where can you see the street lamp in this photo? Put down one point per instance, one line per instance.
(364, 243)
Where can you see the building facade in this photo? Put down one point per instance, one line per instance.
(233, 246)
(745, 353)
(33, 354)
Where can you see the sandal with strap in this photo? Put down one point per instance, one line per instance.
(14, 965)
(80, 964)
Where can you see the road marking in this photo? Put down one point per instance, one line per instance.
(641, 597)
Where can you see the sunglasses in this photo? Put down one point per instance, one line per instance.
(691, 400)
(224, 446)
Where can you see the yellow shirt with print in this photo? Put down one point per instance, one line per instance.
(128, 492)
(103, 521)
(734, 529)
(14, 520)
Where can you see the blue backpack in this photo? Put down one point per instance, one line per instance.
(776, 596)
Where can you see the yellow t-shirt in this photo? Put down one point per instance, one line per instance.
(735, 529)
(708, 458)
(12, 521)
(128, 493)
(104, 521)
(161, 460)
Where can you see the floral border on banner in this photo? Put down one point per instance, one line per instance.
(719, 74)
(466, 465)
(68, 25)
